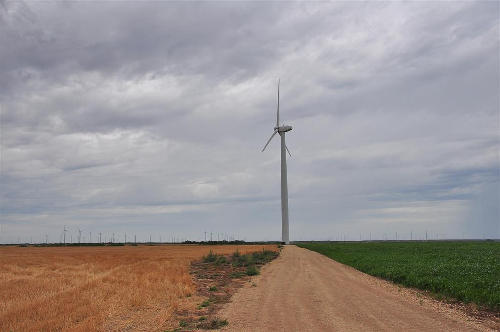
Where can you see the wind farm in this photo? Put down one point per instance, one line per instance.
(137, 194)
(189, 285)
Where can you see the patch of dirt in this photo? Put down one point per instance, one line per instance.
(470, 311)
(216, 282)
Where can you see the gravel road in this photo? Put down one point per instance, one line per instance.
(306, 291)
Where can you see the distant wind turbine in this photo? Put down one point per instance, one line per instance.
(281, 130)
(79, 235)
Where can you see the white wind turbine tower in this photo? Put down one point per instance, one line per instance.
(284, 183)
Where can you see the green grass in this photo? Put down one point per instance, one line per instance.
(204, 304)
(237, 274)
(465, 271)
(213, 324)
(252, 270)
(220, 260)
(250, 262)
(210, 258)
(264, 256)
(259, 257)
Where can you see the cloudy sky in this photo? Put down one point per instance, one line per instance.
(149, 117)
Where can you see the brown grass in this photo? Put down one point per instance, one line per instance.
(99, 288)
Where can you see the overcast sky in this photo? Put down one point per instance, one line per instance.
(149, 118)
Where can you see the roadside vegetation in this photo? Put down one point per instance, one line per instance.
(249, 262)
(467, 271)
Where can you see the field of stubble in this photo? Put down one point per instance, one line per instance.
(99, 288)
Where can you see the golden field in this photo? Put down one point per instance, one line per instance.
(132, 288)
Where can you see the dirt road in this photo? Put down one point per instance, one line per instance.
(305, 291)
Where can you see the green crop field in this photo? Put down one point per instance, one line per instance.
(465, 271)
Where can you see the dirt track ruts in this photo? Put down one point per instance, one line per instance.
(306, 291)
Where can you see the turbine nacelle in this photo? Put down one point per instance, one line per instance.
(283, 129)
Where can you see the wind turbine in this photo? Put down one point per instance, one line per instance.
(281, 130)
(79, 235)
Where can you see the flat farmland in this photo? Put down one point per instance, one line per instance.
(468, 271)
(105, 288)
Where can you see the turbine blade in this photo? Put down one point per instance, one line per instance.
(288, 150)
(278, 110)
(265, 146)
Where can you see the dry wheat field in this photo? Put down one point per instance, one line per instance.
(134, 288)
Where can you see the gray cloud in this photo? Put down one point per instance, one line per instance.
(149, 118)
